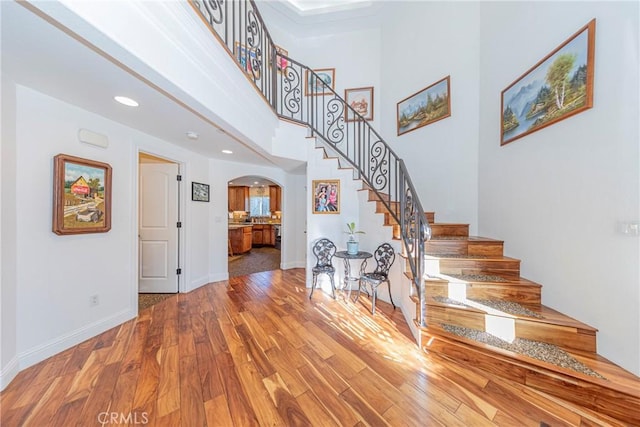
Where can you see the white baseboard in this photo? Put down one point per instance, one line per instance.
(56, 345)
(9, 372)
(195, 284)
(219, 277)
(293, 264)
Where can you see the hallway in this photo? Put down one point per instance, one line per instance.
(259, 259)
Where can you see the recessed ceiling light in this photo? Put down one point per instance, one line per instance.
(192, 135)
(255, 182)
(126, 101)
(227, 151)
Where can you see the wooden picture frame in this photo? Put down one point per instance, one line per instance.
(81, 195)
(199, 192)
(557, 87)
(319, 81)
(326, 196)
(240, 52)
(361, 100)
(424, 107)
(281, 62)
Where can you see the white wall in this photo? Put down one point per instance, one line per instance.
(57, 274)
(555, 196)
(8, 281)
(423, 42)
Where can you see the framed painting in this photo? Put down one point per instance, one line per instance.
(250, 66)
(81, 195)
(326, 196)
(281, 61)
(557, 87)
(199, 192)
(320, 81)
(361, 100)
(424, 107)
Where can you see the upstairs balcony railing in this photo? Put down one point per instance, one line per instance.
(297, 93)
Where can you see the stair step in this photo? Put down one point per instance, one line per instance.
(615, 396)
(550, 327)
(522, 291)
(505, 267)
(445, 229)
(463, 245)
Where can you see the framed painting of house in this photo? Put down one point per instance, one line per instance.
(361, 101)
(557, 87)
(81, 195)
(326, 196)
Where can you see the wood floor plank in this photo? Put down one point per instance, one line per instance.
(256, 351)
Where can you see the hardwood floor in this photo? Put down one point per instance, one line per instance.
(256, 351)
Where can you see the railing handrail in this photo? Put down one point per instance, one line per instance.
(280, 81)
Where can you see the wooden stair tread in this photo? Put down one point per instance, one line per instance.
(616, 378)
(549, 315)
(444, 278)
(469, 257)
(463, 238)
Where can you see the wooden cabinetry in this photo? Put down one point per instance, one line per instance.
(264, 234)
(240, 239)
(238, 198)
(258, 235)
(275, 196)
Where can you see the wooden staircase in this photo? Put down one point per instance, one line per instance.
(468, 284)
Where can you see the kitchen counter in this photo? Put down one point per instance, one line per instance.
(240, 236)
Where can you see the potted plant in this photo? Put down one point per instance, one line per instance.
(352, 243)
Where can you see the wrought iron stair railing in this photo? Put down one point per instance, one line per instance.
(297, 93)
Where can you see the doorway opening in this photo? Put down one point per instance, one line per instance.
(255, 225)
(158, 229)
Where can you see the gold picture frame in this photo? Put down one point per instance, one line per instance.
(326, 196)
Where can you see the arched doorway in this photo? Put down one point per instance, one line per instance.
(255, 224)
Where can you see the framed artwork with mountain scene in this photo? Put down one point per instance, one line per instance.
(81, 195)
(557, 87)
(424, 107)
(361, 100)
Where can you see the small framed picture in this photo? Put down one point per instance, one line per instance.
(81, 195)
(250, 64)
(326, 196)
(320, 81)
(199, 192)
(361, 100)
(281, 60)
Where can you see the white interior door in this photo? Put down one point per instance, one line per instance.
(158, 213)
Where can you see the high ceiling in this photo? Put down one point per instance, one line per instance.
(38, 55)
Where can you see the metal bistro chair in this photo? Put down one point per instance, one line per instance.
(324, 250)
(384, 256)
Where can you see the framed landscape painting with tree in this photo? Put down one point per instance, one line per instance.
(557, 87)
(424, 107)
(81, 195)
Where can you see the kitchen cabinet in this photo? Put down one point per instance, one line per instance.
(240, 238)
(258, 234)
(264, 234)
(238, 198)
(275, 196)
